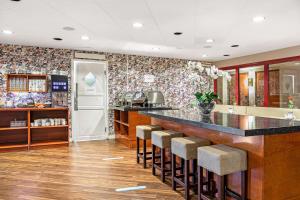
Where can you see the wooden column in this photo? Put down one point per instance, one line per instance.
(215, 86)
(237, 86)
(266, 85)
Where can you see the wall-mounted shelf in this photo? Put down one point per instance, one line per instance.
(27, 83)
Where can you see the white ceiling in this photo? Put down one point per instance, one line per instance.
(108, 23)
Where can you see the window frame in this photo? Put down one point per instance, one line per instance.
(266, 65)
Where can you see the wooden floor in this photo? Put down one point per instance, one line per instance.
(78, 172)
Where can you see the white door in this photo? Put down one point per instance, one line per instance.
(89, 91)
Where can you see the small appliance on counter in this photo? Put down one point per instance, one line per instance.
(137, 98)
(59, 87)
(121, 99)
(155, 99)
(149, 99)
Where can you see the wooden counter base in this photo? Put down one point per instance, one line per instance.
(273, 161)
(125, 123)
(27, 137)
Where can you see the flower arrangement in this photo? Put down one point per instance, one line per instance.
(290, 102)
(207, 97)
(206, 102)
(212, 71)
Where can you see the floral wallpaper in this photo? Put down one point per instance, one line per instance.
(172, 76)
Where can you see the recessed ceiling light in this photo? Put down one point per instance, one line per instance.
(204, 56)
(155, 48)
(68, 28)
(177, 33)
(16, 0)
(235, 45)
(137, 25)
(57, 39)
(209, 40)
(226, 55)
(258, 19)
(7, 32)
(85, 37)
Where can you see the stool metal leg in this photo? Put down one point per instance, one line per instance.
(137, 150)
(145, 153)
(194, 178)
(200, 182)
(222, 188)
(186, 179)
(153, 159)
(173, 157)
(162, 166)
(209, 176)
(181, 165)
(244, 185)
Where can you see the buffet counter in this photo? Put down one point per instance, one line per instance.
(126, 119)
(273, 147)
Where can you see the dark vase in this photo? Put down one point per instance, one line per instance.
(206, 108)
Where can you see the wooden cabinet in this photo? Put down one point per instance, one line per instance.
(27, 137)
(125, 123)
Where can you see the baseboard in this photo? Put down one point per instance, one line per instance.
(89, 138)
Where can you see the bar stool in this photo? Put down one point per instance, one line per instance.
(186, 148)
(222, 160)
(162, 140)
(143, 132)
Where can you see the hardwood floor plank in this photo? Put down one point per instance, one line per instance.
(78, 172)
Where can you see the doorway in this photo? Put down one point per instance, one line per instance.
(89, 102)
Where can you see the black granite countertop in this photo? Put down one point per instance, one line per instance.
(128, 108)
(242, 125)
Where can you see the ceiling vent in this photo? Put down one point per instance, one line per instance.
(90, 56)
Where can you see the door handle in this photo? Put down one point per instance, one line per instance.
(76, 97)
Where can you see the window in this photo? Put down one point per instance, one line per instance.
(251, 82)
(279, 86)
(284, 85)
(224, 89)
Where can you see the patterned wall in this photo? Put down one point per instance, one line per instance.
(172, 76)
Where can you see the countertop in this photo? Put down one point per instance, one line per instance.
(32, 109)
(127, 108)
(242, 125)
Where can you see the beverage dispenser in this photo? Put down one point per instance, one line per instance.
(59, 87)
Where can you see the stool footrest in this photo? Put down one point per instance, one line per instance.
(180, 182)
(232, 193)
(182, 175)
(206, 197)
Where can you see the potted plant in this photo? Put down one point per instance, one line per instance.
(206, 102)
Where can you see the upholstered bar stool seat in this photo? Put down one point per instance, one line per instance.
(162, 140)
(186, 148)
(223, 160)
(143, 132)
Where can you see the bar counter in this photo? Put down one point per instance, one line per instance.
(273, 147)
(138, 108)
